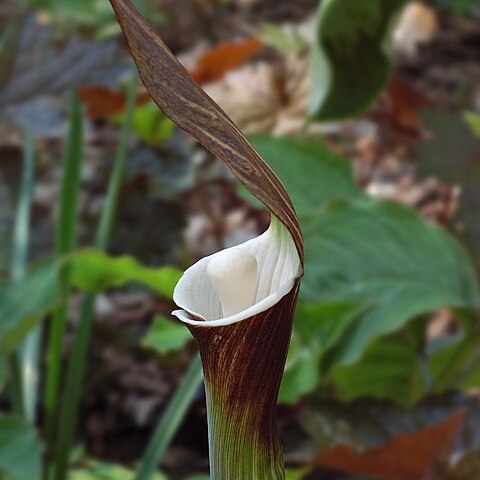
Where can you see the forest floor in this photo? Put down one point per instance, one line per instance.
(127, 387)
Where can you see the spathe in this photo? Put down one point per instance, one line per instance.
(243, 355)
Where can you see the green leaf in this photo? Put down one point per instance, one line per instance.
(311, 173)
(166, 335)
(384, 256)
(296, 473)
(317, 328)
(302, 369)
(389, 370)
(350, 60)
(23, 303)
(285, 39)
(96, 470)
(151, 125)
(94, 271)
(381, 257)
(453, 361)
(20, 449)
(473, 121)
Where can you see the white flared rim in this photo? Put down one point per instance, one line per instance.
(279, 267)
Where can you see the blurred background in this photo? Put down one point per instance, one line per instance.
(372, 121)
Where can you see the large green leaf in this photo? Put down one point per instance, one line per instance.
(20, 450)
(311, 173)
(94, 271)
(380, 256)
(385, 255)
(317, 328)
(350, 59)
(390, 370)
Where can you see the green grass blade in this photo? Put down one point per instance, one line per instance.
(76, 368)
(65, 243)
(171, 420)
(109, 210)
(22, 222)
(26, 384)
(66, 229)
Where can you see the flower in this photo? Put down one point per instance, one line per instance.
(205, 296)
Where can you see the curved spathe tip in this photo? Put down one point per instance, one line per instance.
(277, 267)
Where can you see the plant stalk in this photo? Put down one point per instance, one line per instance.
(65, 244)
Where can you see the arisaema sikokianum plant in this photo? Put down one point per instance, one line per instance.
(238, 303)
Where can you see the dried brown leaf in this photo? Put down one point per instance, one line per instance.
(216, 62)
(101, 102)
(408, 456)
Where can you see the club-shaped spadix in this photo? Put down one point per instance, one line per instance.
(233, 275)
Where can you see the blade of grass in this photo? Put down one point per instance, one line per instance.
(22, 221)
(65, 243)
(76, 366)
(171, 420)
(27, 357)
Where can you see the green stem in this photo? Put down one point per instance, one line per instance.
(171, 420)
(76, 366)
(65, 244)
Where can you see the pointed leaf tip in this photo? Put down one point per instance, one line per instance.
(182, 100)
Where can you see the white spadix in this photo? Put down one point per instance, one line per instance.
(233, 274)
